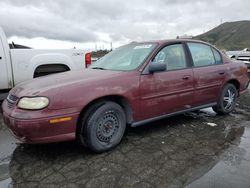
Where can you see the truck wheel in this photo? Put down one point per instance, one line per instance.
(227, 100)
(103, 129)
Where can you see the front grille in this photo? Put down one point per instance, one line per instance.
(11, 100)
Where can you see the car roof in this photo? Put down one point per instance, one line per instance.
(171, 41)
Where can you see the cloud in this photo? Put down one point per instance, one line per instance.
(30, 21)
(117, 21)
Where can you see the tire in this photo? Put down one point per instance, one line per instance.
(227, 100)
(104, 127)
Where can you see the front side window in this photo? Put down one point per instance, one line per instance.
(202, 54)
(173, 56)
(125, 58)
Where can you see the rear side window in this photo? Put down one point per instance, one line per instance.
(173, 55)
(202, 54)
(217, 57)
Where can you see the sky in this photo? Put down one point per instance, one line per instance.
(95, 24)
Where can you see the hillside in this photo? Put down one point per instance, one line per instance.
(100, 53)
(229, 35)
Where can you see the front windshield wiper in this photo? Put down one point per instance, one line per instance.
(99, 68)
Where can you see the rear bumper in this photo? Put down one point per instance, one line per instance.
(33, 131)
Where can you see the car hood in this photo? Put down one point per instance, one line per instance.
(42, 85)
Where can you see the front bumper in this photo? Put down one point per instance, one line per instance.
(40, 130)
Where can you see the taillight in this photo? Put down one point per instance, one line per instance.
(87, 59)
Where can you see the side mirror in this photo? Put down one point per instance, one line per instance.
(157, 67)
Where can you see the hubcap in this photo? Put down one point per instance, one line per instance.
(229, 99)
(107, 127)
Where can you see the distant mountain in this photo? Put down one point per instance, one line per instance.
(229, 35)
(100, 53)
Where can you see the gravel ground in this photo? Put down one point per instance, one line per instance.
(176, 152)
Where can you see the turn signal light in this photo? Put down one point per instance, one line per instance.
(60, 120)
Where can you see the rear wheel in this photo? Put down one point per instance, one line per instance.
(227, 100)
(104, 127)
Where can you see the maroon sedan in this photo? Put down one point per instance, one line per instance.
(134, 84)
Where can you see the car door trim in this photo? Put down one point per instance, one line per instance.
(162, 94)
(208, 86)
(139, 123)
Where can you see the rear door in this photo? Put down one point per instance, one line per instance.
(171, 90)
(3, 68)
(209, 72)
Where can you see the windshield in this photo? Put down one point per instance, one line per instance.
(125, 58)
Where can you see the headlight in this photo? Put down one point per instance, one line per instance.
(33, 103)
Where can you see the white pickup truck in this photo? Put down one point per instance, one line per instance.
(18, 65)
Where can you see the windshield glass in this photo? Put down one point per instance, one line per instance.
(125, 58)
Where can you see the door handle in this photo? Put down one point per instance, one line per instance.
(221, 73)
(0, 57)
(186, 77)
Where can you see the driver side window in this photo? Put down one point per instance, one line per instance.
(174, 57)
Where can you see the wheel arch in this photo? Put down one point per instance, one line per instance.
(236, 83)
(49, 58)
(122, 101)
(55, 68)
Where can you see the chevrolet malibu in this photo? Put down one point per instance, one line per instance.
(133, 85)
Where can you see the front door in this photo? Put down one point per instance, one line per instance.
(168, 91)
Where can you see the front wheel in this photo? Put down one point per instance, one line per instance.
(227, 100)
(103, 129)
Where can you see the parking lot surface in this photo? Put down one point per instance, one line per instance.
(198, 149)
